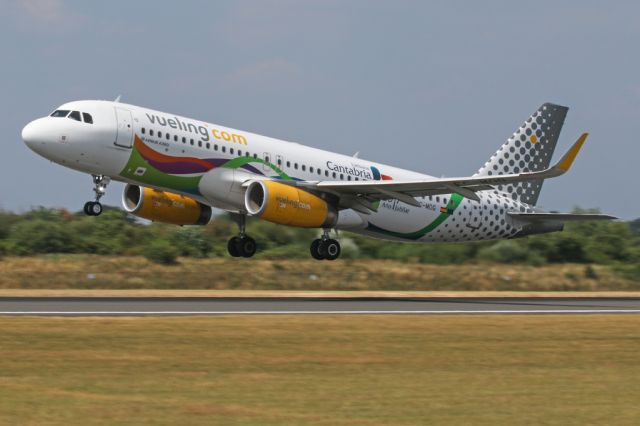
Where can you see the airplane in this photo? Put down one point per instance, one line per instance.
(176, 169)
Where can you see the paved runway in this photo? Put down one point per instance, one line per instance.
(150, 306)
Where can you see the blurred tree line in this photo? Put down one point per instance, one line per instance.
(117, 233)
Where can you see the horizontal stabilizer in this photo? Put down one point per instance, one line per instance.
(558, 217)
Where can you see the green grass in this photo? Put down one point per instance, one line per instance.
(320, 370)
(135, 272)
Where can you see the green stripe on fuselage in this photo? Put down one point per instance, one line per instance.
(155, 177)
(188, 184)
(238, 162)
(453, 204)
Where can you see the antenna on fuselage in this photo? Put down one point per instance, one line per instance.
(118, 99)
(356, 155)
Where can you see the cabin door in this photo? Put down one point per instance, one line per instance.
(124, 136)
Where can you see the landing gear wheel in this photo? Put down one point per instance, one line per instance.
(315, 249)
(242, 246)
(96, 209)
(233, 247)
(247, 246)
(331, 249)
(92, 208)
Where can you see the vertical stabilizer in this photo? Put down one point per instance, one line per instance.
(529, 149)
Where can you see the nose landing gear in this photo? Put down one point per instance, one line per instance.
(94, 208)
(325, 248)
(241, 245)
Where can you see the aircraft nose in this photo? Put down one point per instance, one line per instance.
(32, 133)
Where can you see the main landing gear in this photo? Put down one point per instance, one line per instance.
(94, 208)
(241, 245)
(325, 248)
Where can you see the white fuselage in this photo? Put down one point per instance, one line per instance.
(176, 152)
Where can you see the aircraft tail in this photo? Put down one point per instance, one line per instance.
(529, 149)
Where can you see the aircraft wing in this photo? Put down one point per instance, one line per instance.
(360, 194)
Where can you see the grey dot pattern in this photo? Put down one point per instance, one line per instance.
(529, 149)
(486, 219)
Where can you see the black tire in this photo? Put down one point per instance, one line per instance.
(315, 249)
(247, 246)
(87, 208)
(331, 249)
(233, 247)
(96, 209)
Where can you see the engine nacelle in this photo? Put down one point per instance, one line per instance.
(167, 207)
(288, 205)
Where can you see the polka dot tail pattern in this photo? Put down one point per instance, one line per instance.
(529, 149)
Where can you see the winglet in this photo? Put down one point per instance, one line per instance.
(567, 159)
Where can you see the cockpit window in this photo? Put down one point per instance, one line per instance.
(75, 115)
(60, 113)
(87, 118)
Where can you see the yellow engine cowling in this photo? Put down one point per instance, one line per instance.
(167, 207)
(288, 205)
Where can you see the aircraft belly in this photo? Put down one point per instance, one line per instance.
(445, 219)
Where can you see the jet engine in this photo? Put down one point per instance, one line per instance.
(167, 207)
(288, 205)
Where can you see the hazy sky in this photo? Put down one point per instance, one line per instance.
(434, 87)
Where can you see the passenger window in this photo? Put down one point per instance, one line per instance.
(348, 177)
(230, 150)
(60, 113)
(334, 175)
(266, 158)
(310, 169)
(159, 134)
(288, 163)
(279, 161)
(326, 173)
(191, 141)
(239, 153)
(200, 144)
(142, 130)
(208, 145)
(255, 156)
(168, 136)
(75, 115)
(175, 138)
(184, 140)
(304, 167)
(295, 166)
(215, 147)
(341, 176)
(224, 149)
(151, 132)
(87, 118)
(319, 172)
